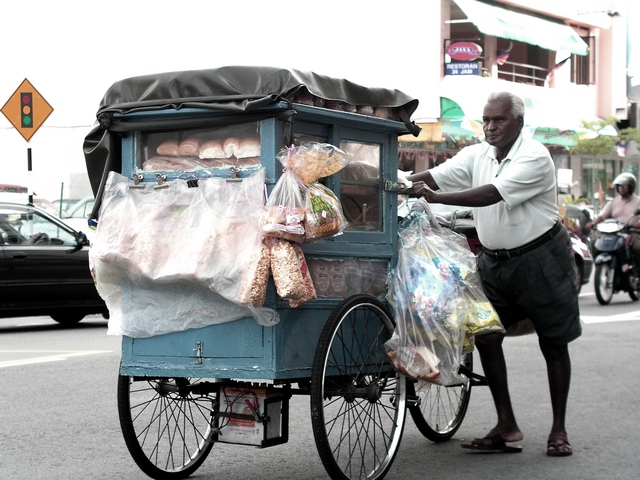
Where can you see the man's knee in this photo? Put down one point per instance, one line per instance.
(553, 352)
(488, 341)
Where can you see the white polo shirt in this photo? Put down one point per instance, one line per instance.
(525, 179)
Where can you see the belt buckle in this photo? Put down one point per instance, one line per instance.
(503, 255)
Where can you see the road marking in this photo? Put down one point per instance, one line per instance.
(58, 356)
(622, 317)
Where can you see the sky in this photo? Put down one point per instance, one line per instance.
(72, 51)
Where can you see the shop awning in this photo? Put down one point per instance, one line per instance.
(556, 137)
(503, 23)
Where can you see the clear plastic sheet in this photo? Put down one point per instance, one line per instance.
(175, 258)
(433, 291)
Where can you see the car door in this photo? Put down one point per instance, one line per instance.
(41, 267)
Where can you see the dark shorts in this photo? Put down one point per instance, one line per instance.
(539, 285)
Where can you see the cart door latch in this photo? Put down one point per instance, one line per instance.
(397, 187)
(198, 352)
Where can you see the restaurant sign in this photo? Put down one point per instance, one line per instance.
(464, 51)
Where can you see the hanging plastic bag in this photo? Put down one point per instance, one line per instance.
(172, 259)
(284, 214)
(311, 161)
(309, 289)
(323, 213)
(261, 278)
(425, 291)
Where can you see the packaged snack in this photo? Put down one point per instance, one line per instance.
(311, 161)
(284, 214)
(323, 213)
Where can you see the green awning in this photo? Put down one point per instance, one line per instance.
(554, 136)
(450, 109)
(503, 23)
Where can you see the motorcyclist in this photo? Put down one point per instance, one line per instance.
(622, 209)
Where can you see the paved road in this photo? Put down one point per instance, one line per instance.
(59, 420)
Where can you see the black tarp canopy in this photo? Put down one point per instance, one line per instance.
(241, 91)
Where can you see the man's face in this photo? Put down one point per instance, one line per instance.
(500, 127)
(623, 190)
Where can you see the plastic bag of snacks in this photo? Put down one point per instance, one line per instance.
(290, 272)
(311, 161)
(309, 289)
(425, 291)
(323, 213)
(284, 214)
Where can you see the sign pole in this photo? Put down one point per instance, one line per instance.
(29, 170)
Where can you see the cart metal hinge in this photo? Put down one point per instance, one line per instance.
(397, 187)
(198, 351)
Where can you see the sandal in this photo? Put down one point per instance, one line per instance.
(491, 444)
(558, 445)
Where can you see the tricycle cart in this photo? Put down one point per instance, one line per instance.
(189, 379)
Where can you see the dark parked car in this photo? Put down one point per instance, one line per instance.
(44, 267)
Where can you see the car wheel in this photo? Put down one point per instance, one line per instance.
(67, 318)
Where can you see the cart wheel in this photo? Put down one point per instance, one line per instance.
(167, 427)
(441, 409)
(358, 401)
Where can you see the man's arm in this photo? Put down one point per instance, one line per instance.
(472, 197)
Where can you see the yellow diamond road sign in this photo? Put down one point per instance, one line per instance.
(26, 110)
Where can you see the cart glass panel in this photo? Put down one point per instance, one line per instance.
(360, 186)
(233, 145)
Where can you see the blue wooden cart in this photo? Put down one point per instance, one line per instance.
(181, 392)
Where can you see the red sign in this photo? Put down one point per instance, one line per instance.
(464, 51)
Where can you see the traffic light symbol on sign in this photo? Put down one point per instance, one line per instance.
(26, 110)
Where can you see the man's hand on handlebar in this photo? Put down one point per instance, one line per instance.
(420, 189)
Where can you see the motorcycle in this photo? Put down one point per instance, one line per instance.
(615, 269)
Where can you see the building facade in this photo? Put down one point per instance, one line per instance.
(567, 60)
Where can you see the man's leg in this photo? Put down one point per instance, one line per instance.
(559, 372)
(495, 371)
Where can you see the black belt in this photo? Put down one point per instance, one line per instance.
(527, 247)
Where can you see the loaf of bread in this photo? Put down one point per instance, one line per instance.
(189, 147)
(168, 148)
(248, 147)
(230, 146)
(212, 149)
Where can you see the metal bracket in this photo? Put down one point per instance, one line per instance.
(234, 175)
(160, 178)
(137, 178)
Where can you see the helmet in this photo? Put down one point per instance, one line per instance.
(626, 179)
